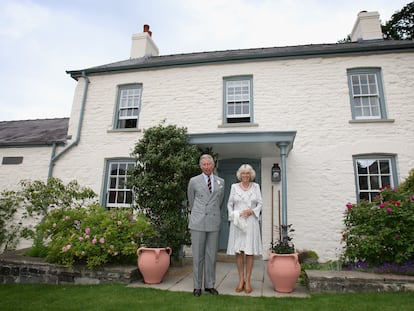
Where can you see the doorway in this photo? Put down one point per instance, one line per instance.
(227, 170)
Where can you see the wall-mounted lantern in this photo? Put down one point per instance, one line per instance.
(276, 175)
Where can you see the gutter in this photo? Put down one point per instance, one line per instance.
(54, 157)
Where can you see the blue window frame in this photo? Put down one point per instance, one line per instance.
(116, 192)
(128, 106)
(373, 172)
(238, 99)
(366, 94)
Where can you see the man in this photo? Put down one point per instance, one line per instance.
(205, 196)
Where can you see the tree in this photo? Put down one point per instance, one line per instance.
(165, 161)
(401, 24)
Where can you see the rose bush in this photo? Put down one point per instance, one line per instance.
(380, 233)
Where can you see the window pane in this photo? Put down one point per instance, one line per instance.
(112, 197)
(364, 196)
(373, 168)
(114, 169)
(363, 183)
(384, 166)
(374, 181)
(120, 197)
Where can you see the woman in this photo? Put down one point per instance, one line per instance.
(244, 208)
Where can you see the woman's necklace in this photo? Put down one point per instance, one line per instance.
(244, 186)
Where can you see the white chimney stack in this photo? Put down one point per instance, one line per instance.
(143, 45)
(367, 27)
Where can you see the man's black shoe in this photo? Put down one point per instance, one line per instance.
(197, 292)
(212, 291)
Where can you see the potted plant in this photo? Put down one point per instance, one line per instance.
(283, 267)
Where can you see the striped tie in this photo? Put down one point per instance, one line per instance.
(209, 183)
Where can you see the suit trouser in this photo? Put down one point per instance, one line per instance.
(204, 248)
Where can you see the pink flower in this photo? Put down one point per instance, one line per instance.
(81, 238)
(66, 248)
(87, 230)
(412, 198)
(349, 206)
(76, 222)
(102, 240)
(396, 236)
(67, 217)
(94, 241)
(389, 210)
(382, 205)
(54, 225)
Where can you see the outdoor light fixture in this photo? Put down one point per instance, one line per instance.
(276, 176)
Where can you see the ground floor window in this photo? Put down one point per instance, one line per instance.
(373, 172)
(117, 193)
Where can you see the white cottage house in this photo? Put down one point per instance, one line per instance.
(337, 118)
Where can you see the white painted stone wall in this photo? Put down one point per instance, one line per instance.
(35, 166)
(309, 96)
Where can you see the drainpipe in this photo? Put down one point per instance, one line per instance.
(283, 152)
(54, 156)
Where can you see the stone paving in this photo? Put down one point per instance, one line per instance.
(181, 279)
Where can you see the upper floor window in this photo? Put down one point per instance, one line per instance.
(374, 172)
(366, 93)
(117, 193)
(128, 106)
(238, 100)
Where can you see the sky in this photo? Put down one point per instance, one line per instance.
(42, 39)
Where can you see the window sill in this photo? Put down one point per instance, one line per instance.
(238, 125)
(123, 130)
(373, 121)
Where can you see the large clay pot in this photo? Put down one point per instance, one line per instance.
(283, 271)
(153, 263)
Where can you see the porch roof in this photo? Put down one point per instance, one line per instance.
(245, 144)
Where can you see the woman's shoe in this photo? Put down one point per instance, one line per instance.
(239, 289)
(248, 289)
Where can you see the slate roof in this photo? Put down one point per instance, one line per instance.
(34, 132)
(300, 51)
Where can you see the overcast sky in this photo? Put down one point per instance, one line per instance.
(41, 39)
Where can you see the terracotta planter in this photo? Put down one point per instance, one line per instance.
(283, 270)
(153, 263)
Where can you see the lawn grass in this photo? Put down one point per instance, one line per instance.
(34, 297)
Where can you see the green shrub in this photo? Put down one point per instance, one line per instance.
(93, 235)
(165, 163)
(381, 231)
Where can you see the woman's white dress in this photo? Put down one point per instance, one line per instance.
(244, 233)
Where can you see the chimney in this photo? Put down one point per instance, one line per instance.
(143, 45)
(367, 27)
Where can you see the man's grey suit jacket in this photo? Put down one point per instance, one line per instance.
(205, 206)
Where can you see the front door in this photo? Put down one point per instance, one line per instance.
(227, 170)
